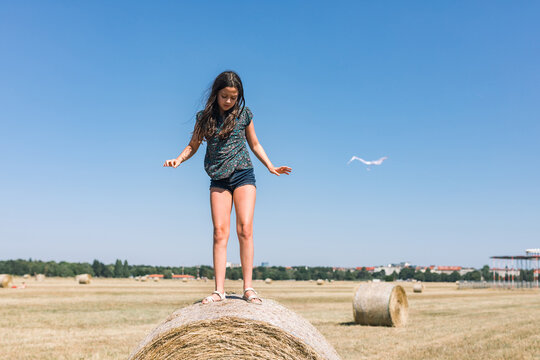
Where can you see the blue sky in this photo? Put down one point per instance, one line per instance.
(95, 96)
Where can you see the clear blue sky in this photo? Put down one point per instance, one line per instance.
(95, 96)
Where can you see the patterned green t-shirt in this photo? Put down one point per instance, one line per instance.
(224, 156)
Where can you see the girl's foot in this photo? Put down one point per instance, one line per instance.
(251, 296)
(215, 297)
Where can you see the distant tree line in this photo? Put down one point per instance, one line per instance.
(121, 269)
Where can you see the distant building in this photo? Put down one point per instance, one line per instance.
(424, 268)
(370, 269)
(389, 269)
(155, 276)
(231, 265)
(265, 264)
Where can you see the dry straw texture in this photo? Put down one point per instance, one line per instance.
(320, 282)
(268, 281)
(5, 280)
(418, 288)
(83, 278)
(234, 329)
(380, 304)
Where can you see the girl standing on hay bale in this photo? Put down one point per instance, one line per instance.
(225, 124)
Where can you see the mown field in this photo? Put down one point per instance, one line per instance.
(60, 319)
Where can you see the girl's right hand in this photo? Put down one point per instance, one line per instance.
(173, 162)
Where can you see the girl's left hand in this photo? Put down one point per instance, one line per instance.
(280, 170)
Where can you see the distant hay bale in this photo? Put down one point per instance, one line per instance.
(320, 282)
(144, 278)
(418, 287)
(184, 279)
(40, 277)
(26, 276)
(6, 280)
(380, 304)
(137, 278)
(156, 279)
(83, 279)
(268, 281)
(234, 329)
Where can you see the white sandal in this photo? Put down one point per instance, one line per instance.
(210, 299)
(249, 298)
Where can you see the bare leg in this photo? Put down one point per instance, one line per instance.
(221, 205)
(244, 204)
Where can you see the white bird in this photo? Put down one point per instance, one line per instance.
(368, 163)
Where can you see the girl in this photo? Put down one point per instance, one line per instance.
(225, 124)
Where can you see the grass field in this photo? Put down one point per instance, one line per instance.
(59, 319)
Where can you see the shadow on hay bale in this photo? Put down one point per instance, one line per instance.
(418, 287)
(6, 280)
(234, 329)
(380, 304)
(83, 279)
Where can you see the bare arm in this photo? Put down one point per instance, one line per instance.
(259, 152)
(188, 152)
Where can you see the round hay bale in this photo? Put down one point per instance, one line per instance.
(234, 329)
(6, 280)
(144, 278)
(380, 304)
(26, 276)
(418, 287)
(84, 279)
(320, 282)
(137, 278)
(184, 279)
(40, 277)
(268, 281)
(156, 279)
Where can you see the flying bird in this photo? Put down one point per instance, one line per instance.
(368, 163)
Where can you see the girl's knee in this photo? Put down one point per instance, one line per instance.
(245, 231)
(221, 233)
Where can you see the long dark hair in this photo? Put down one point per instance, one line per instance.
(206, 126)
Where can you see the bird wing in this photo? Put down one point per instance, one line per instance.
(359, 159)
(352, 159)
(379, 162)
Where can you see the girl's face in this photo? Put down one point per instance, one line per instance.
(227, 98)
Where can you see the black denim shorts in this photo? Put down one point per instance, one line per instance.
(238, 178)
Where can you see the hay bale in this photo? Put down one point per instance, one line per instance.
(380, 304)
(26, 276)
(40, 277)
(184, 279)
(268, 281)
(156, 279)
(144, 278)
(234, 329)
(418, 287)
(6, 280)
(83, 278)
(320, 282)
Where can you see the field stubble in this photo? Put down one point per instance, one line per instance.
(60, 319)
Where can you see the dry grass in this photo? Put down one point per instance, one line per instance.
(59, 319)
